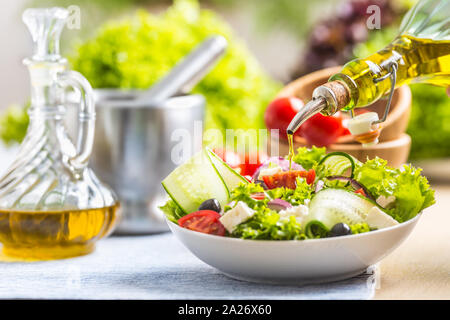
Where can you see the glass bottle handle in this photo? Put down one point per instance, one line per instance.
(86, 117)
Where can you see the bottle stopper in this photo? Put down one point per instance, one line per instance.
(365, 128)
(45, 26)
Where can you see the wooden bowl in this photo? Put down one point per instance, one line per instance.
(395, 151)
(395, 124)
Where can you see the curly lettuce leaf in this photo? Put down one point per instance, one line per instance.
(309, 158)
(295, 196)
(413, 193)
(411, 190)
(359, 228)
(243, 193)
(316, 230)
(266, 224)
(172, 211)
(377, 177)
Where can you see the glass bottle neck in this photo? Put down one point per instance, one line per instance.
(46, 95)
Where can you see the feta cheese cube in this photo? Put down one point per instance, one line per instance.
(240, 213)
(384, 202)
(299, 212)
(379, 219)
(269, 172)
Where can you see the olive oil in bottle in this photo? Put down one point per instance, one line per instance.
(52, 205)
(44, 235)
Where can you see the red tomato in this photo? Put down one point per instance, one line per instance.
(258, 196)
(280, 112)
(251, 163)
(345, 130)
(231, 158)
(288, 179)
(320, 130)
(311, 176)
(361, 192)
(206, 221)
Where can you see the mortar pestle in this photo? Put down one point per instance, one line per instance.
(133, 139)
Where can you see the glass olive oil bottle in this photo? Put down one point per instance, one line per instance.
(52, 205)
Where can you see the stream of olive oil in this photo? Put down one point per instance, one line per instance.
(54, 234)
(290, 137)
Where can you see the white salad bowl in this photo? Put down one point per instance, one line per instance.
(293, 261)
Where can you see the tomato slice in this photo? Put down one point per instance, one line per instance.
(311, 176)
(205, 221)
(258, 196)
(361, 192)
(288, 179)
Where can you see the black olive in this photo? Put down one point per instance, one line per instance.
(210, 204)
(340, 229)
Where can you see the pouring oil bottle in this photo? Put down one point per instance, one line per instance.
(417, 59)
(421, 53)
(51, 204)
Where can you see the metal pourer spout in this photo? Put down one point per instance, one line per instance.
(327, 99)
(311, 108)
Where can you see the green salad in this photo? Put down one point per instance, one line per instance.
(319, 195)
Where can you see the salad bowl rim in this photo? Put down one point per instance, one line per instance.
(322, 240)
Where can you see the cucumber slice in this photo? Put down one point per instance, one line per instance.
(338, 163)
(231, 178)
(194, 182)
(331, 206)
